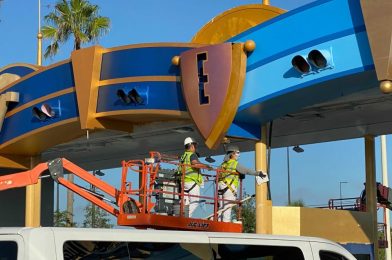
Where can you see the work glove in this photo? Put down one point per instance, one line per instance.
(261, 178)
(241, 176)
(261, 174)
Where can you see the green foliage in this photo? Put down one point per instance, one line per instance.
(297, 203)
(382, 251)
(248, 213)
(62, 219)
(73, 17)
(96, 218)
(249, 216)
(381, 254)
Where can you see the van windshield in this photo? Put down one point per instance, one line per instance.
(186, 251)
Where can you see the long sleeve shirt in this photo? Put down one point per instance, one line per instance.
(242, 169)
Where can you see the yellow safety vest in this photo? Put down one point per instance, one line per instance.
(191, 174)
(229, 176)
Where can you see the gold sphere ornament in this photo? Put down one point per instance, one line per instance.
(249, 46)
(39, 35)
(176, 60)
(386, 86)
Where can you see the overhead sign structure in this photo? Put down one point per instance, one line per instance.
(212, 81)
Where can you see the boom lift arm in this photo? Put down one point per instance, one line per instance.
(158, 202)
(56, 169)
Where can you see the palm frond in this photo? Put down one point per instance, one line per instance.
(98, 27)
(51, 50)
(49, 32)
(77, 18)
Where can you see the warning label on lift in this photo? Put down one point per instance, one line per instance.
(198, 225)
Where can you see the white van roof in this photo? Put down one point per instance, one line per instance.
(50, 238)
(125, 233)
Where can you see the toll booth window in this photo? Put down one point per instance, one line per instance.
(327, 255)
(262, 252)
(8, 250)
(81, 250)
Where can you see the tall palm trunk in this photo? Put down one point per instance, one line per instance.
(77, 44)
(79, 18)
(70, 200)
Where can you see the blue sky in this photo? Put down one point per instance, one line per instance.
(131, 22)
(315, 174)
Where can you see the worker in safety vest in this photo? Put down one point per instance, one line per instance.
(229, 179)
(193, 178)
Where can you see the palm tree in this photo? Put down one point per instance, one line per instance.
(73, 17)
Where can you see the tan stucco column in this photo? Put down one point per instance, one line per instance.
(33, 200)
(371, 192)
(263, 205)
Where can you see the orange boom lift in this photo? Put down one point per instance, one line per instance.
(157, 203)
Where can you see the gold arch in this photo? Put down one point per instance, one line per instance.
(235, 21)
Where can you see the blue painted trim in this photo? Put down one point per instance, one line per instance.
(243, 130)
(42, 84)
(21, 71)
(24, 122)
(278, 18)
(291, 50)
(136, 62)
(156, 95)
(361, 249)
(306, 84)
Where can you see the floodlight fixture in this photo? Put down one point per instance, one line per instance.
(37, 113)
(298, 149)
(320, 59)
(209, 159)
(99, 173)
(47, 110)
(124, 97)
(301, 64)
(135, 97)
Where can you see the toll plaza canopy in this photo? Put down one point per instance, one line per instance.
(315, 75)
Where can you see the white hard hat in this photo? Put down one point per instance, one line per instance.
(189, 140)
(232, 148)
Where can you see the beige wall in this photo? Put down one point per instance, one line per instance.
(337, 225)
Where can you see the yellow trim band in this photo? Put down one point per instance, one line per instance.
(139, 79)
(181, 114)
(31, 66)
(41, 69)
(38, 130)
(150, 45)
(39, 100)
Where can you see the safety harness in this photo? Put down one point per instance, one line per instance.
(191, 174)
(229, 176)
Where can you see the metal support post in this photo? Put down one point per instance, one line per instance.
(371, 192)
(388, 253)
(288, 177)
